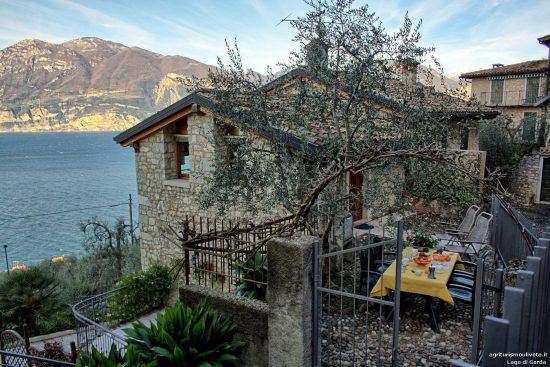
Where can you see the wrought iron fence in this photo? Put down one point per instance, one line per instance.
(513, 236)
(11, 359)
(227, 255)
(350, 326)
(89, 316)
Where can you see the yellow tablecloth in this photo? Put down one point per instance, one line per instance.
(417, 284)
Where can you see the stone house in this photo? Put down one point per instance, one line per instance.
(174, 149)
(520, 91)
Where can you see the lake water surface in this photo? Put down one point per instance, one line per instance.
(44, 173)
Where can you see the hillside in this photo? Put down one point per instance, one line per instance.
(87, 84)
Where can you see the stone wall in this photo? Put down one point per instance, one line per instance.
(164, 200)
(250, 316)
(525, 180)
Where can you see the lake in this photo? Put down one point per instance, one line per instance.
(51, 182)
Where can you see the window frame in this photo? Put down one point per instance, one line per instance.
(493, 100)
(528, 98)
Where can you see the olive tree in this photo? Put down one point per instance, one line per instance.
(349, 104)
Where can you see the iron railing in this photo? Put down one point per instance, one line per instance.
(10, 359)
(513, 235)
(89, 314)
(507, 98)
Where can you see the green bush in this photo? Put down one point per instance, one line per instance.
(186, 336)
(437, 182)
(255, 269)
(29, 297)
(141, 293)
(113, 359)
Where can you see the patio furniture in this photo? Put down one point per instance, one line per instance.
(374, 261)
(462, 284)
(419, 284)
(453, 234)
(476, 239)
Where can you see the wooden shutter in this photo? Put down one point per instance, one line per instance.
(497, 91)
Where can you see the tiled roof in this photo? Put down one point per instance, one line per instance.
(527, 67)
(280, 104)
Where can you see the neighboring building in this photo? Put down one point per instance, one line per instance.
(175, 147)
(521, 92)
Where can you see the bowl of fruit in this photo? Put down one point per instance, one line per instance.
(423, 259)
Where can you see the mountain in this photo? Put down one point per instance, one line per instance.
(87, 84)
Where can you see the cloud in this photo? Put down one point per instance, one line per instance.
(116, 28)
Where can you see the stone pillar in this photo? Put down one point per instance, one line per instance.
(290, 294)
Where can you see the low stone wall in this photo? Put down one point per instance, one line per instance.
(277, 333)
(250, 316)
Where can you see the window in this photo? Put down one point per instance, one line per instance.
(532, 90)
(529, 127)
(497, 91)
(231, 133)
(183, 164)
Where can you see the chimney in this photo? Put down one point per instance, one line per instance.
(497, 66)
(409, 71)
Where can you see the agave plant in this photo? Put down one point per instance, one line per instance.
(252, 277)
(113, 359)
(185, 336)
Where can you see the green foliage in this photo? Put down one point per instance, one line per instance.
(94, 273)
(113, 359)
(97, 359)
(420, 239)
(142, 292)
(186, 336)
(30, 297)
(251, 271)
(439, 182)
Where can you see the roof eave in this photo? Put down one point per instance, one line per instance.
(189, 100)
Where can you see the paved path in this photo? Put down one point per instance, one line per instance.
(68, 336)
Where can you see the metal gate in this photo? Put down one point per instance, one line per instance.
(351, 328)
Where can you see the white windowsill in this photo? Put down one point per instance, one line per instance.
(177, 183)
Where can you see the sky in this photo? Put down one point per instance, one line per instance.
(467, 35)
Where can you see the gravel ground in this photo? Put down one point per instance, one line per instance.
(355, 340)
(350, 337)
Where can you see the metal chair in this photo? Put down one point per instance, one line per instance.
(455, 233)
(476, 239)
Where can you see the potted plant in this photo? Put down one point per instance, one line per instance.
(422, 241)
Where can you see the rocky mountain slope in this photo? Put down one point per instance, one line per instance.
(87, 84)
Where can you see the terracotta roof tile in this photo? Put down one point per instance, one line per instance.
(527, 67)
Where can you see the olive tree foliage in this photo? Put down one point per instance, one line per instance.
(107, 241)
(354, 110)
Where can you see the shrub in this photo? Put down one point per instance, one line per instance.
(141, 293)
(251, 271)
(29, 296)
(436, 182)
(186, 336)
(113, 359)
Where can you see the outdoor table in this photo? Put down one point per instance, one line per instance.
(419, 284)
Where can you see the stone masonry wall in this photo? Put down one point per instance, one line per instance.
(165, 200)
(525, 180)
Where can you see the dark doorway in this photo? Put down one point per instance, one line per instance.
(545, 180)
(356, 189)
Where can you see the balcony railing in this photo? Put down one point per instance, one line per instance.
(508, 98)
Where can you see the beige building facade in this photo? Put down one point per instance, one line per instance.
(521, 92)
